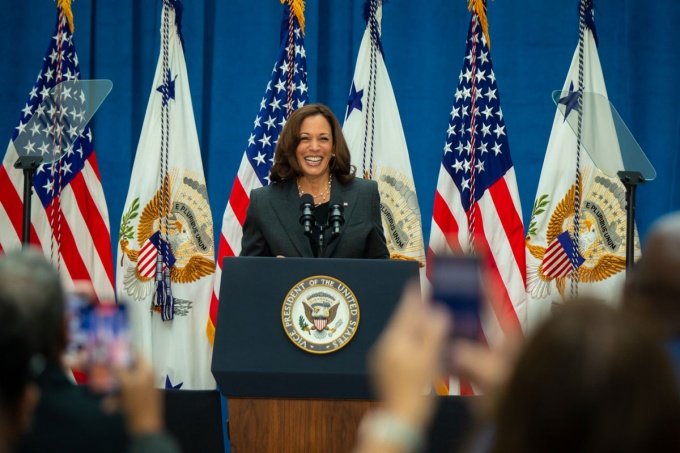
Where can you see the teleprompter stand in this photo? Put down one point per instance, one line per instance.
(630, 180)
(60, 131)
(613, 149)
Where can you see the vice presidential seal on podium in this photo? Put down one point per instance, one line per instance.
(320, 314)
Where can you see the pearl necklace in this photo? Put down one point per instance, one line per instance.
(322, 195)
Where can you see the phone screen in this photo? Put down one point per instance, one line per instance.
(457, 283)
(104, 332)
(76, 350)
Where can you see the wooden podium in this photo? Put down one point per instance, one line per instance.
(294, 425)
(282, 398)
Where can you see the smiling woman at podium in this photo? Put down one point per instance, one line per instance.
(315, 207)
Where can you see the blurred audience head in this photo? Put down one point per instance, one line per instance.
(18, 394)
(29, 281)
(653, 287)
(591, 379)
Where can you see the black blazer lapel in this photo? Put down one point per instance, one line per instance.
(286, 206)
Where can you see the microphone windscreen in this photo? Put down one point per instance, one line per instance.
(306, 199)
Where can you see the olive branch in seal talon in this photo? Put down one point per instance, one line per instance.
(303, 324)
(126, 232)
(539, 208)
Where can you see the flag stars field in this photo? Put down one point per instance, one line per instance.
(485, 129)
(29, 147)
(281, 86)
(454, 112)
(260, 158)
(28, 110)
(44, 148)
(265, 141)
(461, 208)
(21, 128)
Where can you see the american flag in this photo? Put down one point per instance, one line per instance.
(69, 218)
(477, 208)
(286, 91)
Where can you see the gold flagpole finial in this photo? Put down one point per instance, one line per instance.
(298, 8)
(65, 6)
(479, 7)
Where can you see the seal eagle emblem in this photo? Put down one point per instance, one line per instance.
(320, 314)
(188, 238)
(601, 247)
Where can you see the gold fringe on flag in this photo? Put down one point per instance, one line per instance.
(400, 257)
(298, 8)
(65, 6)
(479, 7)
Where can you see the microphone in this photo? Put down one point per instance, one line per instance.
(335, 219)
(307, 218)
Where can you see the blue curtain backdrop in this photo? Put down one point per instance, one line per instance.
(230, 47)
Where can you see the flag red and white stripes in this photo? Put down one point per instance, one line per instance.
(477, 208)
(69, 217)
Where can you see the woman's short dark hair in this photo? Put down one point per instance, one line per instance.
(285, 160)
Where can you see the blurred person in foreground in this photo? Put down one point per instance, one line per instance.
(29, 281)
(590, 379)
(312, 160)
(403, 362)
(652, 289)
(142, 405)
(18, 394)
(70, 417)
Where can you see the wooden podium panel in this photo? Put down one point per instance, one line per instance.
(262, 425)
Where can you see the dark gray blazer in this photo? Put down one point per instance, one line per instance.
(272, 225)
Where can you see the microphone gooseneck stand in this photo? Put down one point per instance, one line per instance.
(320, 253)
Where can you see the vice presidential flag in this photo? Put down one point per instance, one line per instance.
(166, 248)
(598, 251)
(69, 218)
(285, 92)
(476, 208)
(377, 144)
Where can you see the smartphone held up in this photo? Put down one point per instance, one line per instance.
(100, 341)
(457, 284)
